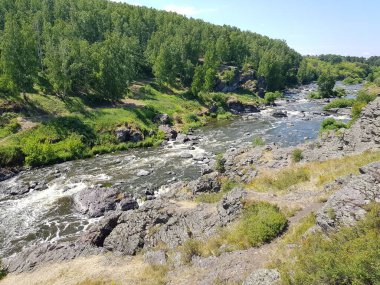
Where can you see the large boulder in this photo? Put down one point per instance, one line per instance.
(94, 202)
(127, 133)
(347, 205)
(162, 119)
(164, 222)
(206, 183)
(237, 107)
(170, 133)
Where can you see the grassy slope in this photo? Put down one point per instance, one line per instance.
(48, 129)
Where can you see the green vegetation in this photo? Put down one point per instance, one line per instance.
(331, 124)
(349, 256)
(258, 141)
(317, 174)
(271, 97)
(282, 180)
(220, 161)
(210, 198)
(3, 273)
(260, 223)
(297, 155)
(339, 103)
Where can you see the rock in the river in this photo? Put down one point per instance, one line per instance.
(170, 133)
(142, 172)
(263, 277)
(237, 107)
(127, 133)
(186, 155)
(94, 202)
(279, 114)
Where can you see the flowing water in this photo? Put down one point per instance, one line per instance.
(47, 214)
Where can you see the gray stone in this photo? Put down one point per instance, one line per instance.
(142, 172)
(127, 133)
(206, 183)
(157, 257)
(94, 202)
(263, 277)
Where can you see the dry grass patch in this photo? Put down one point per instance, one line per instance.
(312, 174)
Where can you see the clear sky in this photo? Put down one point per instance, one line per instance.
(346, 27)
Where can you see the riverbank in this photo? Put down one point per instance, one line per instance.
(315, 186)
(44, 129)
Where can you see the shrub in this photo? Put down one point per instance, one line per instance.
(297, 155)
(220, 161)
(340, 92)
(340, 103)
(191, 118)
(352, 80)
(348, 256)
(270, 97)
(3, 272)
(364, 96)
(258, 141)
(260, 223)
(331, 124)
(315, 95)
(11, 156)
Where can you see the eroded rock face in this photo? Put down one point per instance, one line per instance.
(48, 252)
(347, 206)
(170, 133)
(165, 222)
(237, 107)
(94, 202)
(206, 183)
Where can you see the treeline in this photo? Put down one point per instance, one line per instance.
(98, 47)
(350, 69)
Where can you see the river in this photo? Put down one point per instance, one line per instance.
(46, 214)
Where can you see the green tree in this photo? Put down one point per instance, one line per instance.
(18, 54)
(326, 83)
(209, 83)
(198, 80)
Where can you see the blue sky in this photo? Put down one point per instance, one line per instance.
(347, 27)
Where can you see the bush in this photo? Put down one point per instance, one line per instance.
(191, 118)
(297, 155)
(11, 156)
(220, 161)
(339, 103)
(340, 92)
(331, 124)
(260, 223)
(258, 141)
(364, 96)
(3, 273)
(270, 97)
(352, 80)
(349, 256)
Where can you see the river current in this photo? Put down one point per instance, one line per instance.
(48, 215)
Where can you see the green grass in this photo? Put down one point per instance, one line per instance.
(211, 198)
(260, 223)
(297, 155)
(348, 256)
(316, 174)
(339, 103)
(258, 141)
(281, 180)
(330, 124)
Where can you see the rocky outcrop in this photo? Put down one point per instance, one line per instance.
(94, 202)
(205, 183)
(170, 133)
(48, 252)
(162, 119)
(159, 221)
(237, 107)
(347, 205)
(127, 133)
(263, 277)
